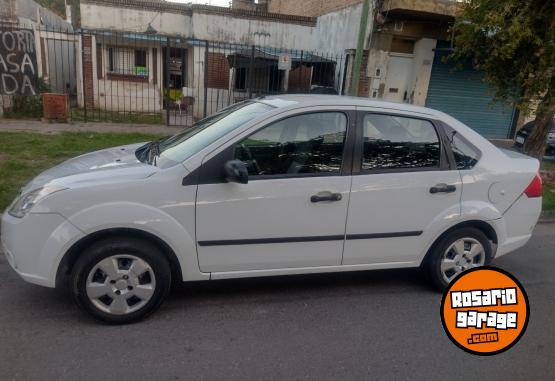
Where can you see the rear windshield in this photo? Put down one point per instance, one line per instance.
(182, 146)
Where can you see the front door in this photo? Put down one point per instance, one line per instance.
(399, 72)
(292, 212)
(403, 188)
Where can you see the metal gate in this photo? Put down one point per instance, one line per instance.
(114, 76)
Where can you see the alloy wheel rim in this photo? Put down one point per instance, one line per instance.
(462, 255)
(120, 284)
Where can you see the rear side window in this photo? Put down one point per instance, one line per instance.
(395, 142)
(466, 156)
(302, 144)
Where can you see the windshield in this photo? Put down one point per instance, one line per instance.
(180, 147)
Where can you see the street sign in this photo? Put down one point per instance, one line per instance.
(284, 62)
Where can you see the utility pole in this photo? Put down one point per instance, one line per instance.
(360, 47)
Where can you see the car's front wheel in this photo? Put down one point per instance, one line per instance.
(121, 280)
(458, 251)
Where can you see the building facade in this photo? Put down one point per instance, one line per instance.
(405, 60)
(147, 56)
(313, 8)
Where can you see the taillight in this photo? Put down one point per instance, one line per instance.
(535, 187)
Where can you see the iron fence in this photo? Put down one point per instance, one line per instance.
(115, 76)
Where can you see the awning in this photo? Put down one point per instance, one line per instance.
(269, 57)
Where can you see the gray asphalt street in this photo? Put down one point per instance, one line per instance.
(367, 325)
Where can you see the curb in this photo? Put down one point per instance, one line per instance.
(547, 217)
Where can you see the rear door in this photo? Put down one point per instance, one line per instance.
(292, 212)
(402, 187)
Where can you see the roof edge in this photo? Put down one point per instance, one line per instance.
(189, 9)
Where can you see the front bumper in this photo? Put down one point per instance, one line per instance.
(34, 245)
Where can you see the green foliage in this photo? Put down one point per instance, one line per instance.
(548, 198)
(24, 155)
(28, 106)
(513, 43)
(106, 116)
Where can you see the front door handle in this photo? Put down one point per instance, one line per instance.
(442, 188)
(326, 196)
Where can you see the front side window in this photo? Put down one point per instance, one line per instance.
(303, 144)
(395, 142)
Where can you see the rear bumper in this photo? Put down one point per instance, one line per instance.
(515, 228)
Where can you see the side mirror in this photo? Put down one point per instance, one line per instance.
(236, 171)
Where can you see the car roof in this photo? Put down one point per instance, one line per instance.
(304, 100)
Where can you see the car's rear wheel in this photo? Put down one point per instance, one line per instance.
(458, 251)
(121, 280)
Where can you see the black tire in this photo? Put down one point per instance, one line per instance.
(106, 248)
(432, 264)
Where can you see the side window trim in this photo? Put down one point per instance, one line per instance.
(447, 161)
(209, 173)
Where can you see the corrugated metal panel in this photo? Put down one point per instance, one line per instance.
(463, 95)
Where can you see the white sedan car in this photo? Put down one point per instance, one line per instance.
(279, 185)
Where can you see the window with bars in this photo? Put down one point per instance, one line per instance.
(128, 61)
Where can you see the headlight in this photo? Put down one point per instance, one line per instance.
(24, 204)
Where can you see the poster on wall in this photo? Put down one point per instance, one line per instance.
(18, 62)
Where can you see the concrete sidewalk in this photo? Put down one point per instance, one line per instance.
(13, 125)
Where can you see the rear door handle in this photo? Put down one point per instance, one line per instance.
(443, 188)
(326, 196)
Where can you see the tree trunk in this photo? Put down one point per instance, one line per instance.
(537, 141)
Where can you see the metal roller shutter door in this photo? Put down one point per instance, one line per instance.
(463, 95)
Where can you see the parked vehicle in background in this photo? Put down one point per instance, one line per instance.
(526, 130)
(279, 185)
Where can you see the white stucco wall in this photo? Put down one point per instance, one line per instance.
(245, 31)
(334, 32)
(96, 16)
(423, 60)
(338, 31)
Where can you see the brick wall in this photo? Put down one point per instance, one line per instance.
(311, 8)
(88, 80)
(364, 81)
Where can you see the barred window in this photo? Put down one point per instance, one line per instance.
(128, 61)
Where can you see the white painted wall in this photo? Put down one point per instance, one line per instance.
(338, 31)
(423, 60)
(245, 31)
(334, 32)
(95, 16)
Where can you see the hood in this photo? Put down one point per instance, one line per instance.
(104, 160)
